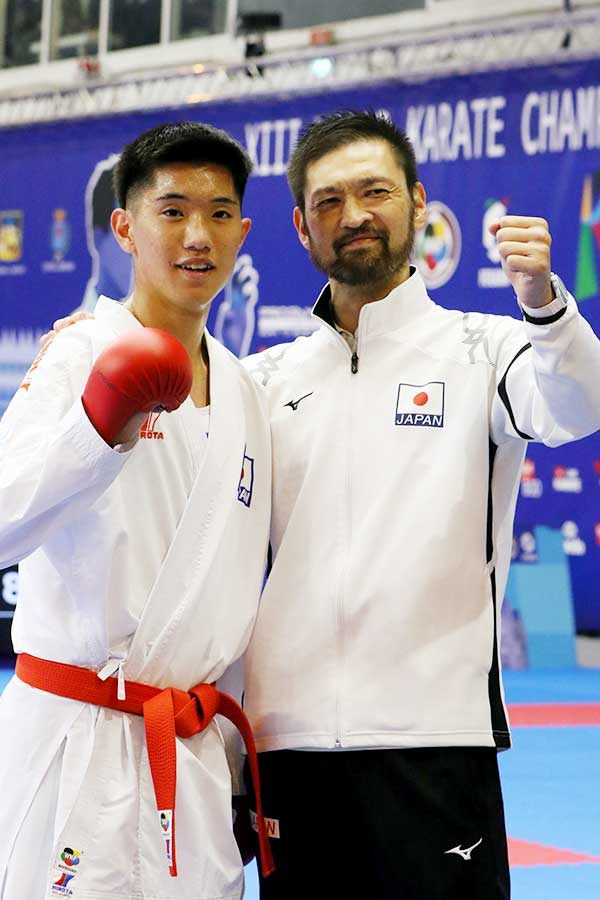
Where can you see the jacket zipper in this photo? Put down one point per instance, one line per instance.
(348, 538)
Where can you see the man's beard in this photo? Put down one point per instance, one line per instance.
(376, 263)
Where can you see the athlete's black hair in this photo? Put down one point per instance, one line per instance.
(190, 142)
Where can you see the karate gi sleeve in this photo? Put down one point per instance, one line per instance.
(53, 463)
(547, 378)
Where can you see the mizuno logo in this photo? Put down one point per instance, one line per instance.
(466, 854)
(294, 404)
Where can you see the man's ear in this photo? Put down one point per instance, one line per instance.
(300, 227)
(121, 225)
(420, 201)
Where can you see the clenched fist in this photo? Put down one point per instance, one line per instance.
(524, 247)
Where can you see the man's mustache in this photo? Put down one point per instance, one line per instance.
(358, 233)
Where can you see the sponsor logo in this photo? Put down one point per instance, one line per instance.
(597, 533)
(466, 853)
(597, 469)
(438, 245)
(69, 860)
(166, 826)
(586, 274)
(566, 480)
(59, 887)
(246, 481)
(492, 277)
(26, 383)
(149, 430)
(9, 591)
(286, 321)
(60, 241)
(294, 404)
(11, 235)
(271, 825)
(525, 547)
(530, 485)
(573, 545)
(70, 857)
(421, 404)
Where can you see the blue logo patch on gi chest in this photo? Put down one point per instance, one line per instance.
(421, 404)
(246, 481)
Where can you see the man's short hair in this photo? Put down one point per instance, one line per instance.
(178, 142)
(347, 127)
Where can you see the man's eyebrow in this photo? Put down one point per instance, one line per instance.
(172, 195)
(360, 182)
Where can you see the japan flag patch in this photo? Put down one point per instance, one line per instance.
(421, 404)
(246, 484)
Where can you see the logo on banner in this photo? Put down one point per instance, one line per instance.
(438, 245)
(488, 276)
(60, 241)
(112, 271)
(9, 591)
(421, 404)
(246, 481)
(573, 545)
(597, 469)
(588, 249)
(11, 241)
(525, 547)
(285, 321)
(566, 480)
(531, 486)
(236, 317)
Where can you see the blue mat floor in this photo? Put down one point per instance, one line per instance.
(551, 780)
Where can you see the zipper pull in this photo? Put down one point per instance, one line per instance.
(354, 366)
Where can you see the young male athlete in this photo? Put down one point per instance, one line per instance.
(399, 430)
(135, 493)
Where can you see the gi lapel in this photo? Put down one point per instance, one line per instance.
(188, 561)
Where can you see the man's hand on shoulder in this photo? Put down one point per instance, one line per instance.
(49, 336)
(524, 247)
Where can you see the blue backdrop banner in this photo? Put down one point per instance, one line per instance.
(519, 142)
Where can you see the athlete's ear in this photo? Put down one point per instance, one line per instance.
(121, 225)
(420, 201)
(300, 226)
(246, 226)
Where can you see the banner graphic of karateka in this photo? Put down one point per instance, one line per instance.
(519, 141)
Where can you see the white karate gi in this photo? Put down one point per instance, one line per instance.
(151, 556)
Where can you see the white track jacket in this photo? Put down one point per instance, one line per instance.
(394, 489)
(136, 557)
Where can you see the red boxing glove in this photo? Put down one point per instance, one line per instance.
(140, 371)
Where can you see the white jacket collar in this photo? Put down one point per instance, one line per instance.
(405, 303)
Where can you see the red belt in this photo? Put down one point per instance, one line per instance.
(167, 712)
